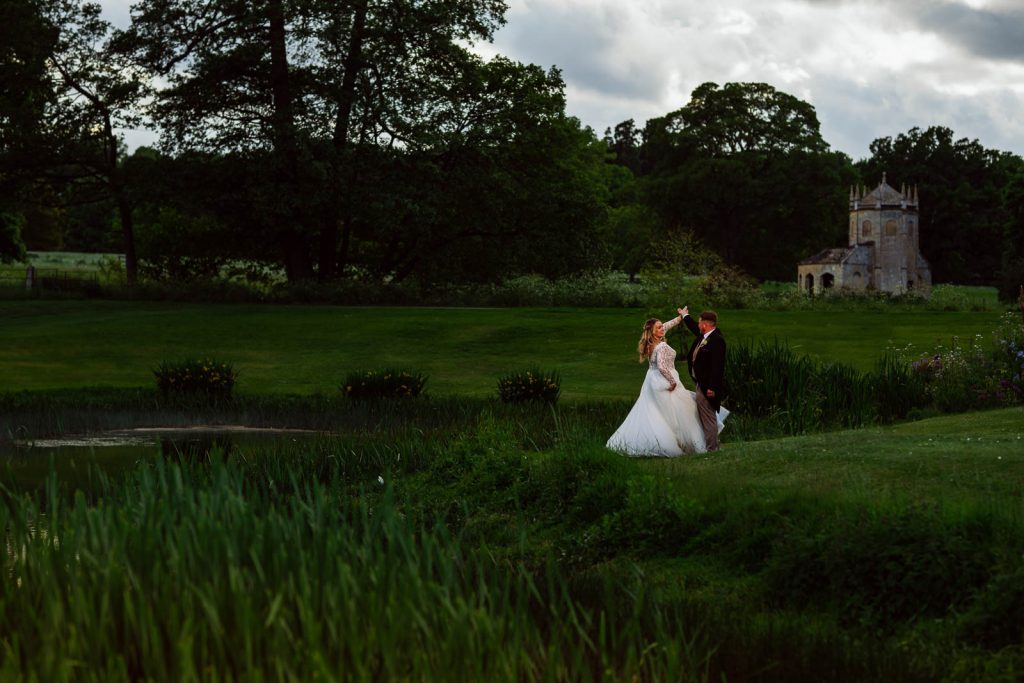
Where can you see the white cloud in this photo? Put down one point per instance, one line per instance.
(871, 68)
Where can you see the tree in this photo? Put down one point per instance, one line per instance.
(72, 93)
(12, 248)
(745, 168)
(1011, 276)
(960, 184)
(25, 41)
(300, 82)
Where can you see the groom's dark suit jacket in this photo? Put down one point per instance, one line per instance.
(708, 369)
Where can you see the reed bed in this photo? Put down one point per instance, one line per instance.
(189, 572)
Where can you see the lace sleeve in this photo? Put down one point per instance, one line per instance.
(666, 358)
(671, 323)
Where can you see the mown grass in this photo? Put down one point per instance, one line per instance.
(308, 349)
(507, 544)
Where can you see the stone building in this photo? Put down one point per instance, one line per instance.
(883, 253)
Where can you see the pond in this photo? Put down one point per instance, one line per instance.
(74, 458)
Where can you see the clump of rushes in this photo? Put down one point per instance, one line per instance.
(196, 378)
(364, 385)
(530, 385)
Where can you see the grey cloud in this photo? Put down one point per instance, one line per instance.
(583, 46)
(988, 33)
(852, 116)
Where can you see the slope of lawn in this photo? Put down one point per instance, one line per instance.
(307, 349)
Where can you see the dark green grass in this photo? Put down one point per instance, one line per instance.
(878, 554)
(307, 349)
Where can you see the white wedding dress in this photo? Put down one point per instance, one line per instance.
(662, 422)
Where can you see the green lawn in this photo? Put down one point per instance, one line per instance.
(305, 349)
(975, 458)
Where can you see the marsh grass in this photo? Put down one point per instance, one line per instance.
(312, 584)
(506, 543)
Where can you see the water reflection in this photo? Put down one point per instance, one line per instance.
(28, 462)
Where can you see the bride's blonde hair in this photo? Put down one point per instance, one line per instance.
(646, 344)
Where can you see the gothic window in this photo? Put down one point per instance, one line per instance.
(827, 280)
(910, 228)
(890, 228)
(866, 225)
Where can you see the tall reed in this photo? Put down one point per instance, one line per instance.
(187, 573)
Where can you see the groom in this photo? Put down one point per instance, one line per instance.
(706, 362)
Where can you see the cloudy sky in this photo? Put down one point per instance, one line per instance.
(871, 68)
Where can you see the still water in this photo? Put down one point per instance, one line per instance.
(75, 459)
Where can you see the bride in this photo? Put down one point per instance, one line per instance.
(663, 421)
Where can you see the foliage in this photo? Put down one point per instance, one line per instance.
(966, 377)
(896, 388)
(880, 569)
(230, 548)
(366, 385)
(736, 152)
(374, 142)
(963, 203)
(795, 393)
(12, 248)
(206, 379)
(530, 385)
(514, 524)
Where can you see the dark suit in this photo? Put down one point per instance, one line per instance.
(707, 368)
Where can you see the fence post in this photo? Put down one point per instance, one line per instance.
(30, 276)
(1020, 300)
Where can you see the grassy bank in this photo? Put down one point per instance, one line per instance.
(307, 349)
(507, 544)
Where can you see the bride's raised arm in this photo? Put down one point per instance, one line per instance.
(672, 323)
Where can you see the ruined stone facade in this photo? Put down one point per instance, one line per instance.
(883, 253)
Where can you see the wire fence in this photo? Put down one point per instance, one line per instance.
(39, 280)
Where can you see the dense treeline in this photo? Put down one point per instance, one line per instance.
(363, 140)
(744, 167)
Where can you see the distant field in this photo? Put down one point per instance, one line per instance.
(64, 260)
(305, 349)
(64, 263)
(986, 297)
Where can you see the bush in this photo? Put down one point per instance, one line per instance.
(881, 570)
(530, 385)
(897, 388)
(795, 393)
(996, 619)
(190, 378)
(965, 377)
(366, 385)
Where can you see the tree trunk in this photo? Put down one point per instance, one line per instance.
(338, 194)
(296, 256)
(124, 208)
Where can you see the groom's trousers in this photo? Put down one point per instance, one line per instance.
(708, 419)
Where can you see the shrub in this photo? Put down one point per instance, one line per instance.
(996, 619)
(794, 394)
(882, 569)
(964, 377)
(1009, 343)
(364, 385)
(897, 388)
(196, 378)
(530, 385)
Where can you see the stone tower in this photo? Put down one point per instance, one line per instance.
(883, 252)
